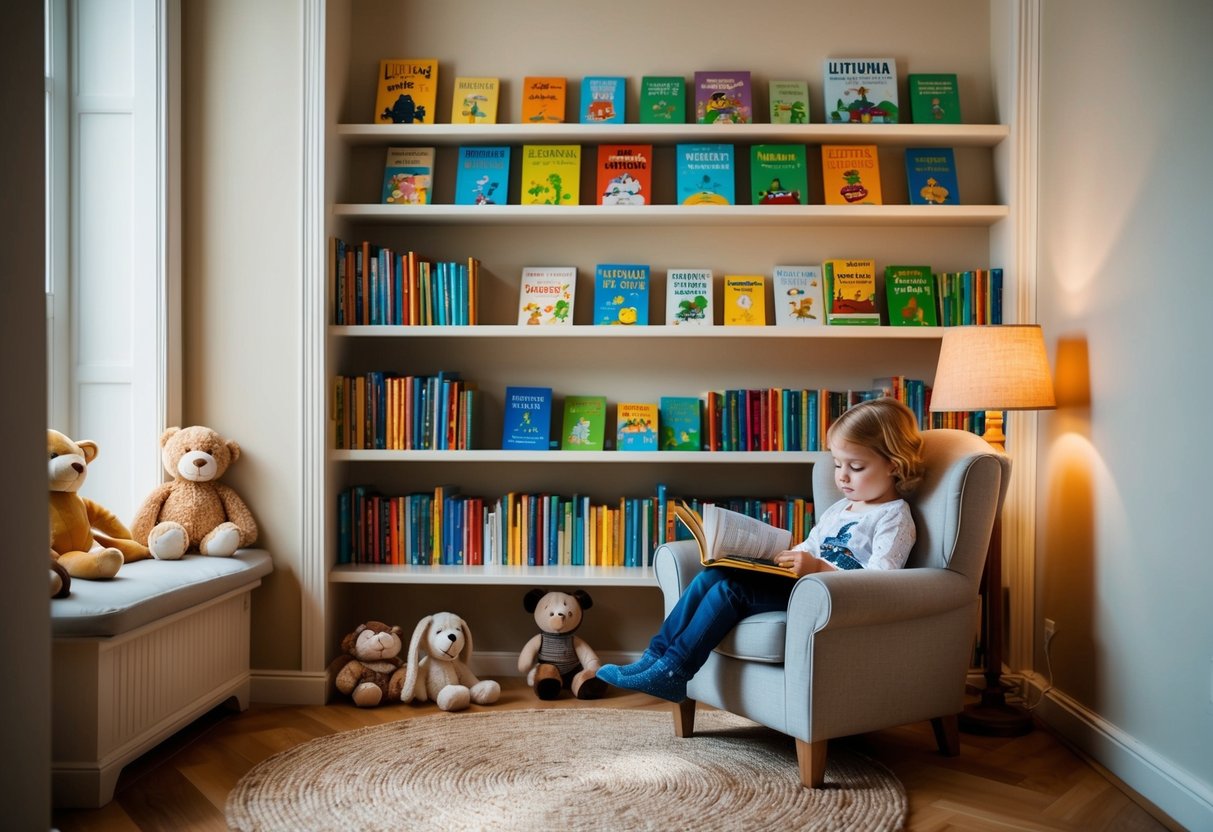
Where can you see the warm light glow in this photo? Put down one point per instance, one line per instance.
(993, 368)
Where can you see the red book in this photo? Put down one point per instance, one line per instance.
(625, 174)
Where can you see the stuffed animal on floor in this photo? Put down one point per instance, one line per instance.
(88, 541)
(370, 671)
(194, 512)
(556, 658)
(437, 666)
(61, 581)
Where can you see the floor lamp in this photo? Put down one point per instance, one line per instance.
(993, 368)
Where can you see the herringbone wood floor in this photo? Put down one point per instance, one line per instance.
(1025, 783)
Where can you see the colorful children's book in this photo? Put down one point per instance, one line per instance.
(546, 294)
(681, 419)
(745, 300)
(602, 99)
(850, 174)
(584, 423)
(527, 419)
(706, 174)
(911, 294)
(860, 90)
(934, 98)
(789, 102)
(636, 426)
(408, 175)
(778, 175)
(407, 91)
(483, 176)
(850, 286)
(688, 297)
(543, 100)
(551, 174)
(625, 174)
(931, 176)
(474, 100)
(723, 98)
(798, 296)
(663, 99)
(621, 294)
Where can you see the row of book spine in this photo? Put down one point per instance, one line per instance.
(385, 411)
(378, 286)
(969, 298)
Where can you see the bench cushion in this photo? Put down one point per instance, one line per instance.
(151, 589)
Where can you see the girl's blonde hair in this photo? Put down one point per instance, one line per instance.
(890, 429)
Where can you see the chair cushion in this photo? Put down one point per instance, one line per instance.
(759, 638)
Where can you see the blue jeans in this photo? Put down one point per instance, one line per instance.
(711, 606)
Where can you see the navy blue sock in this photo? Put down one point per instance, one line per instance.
(660, 680)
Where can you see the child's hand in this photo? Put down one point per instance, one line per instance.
(802, 563)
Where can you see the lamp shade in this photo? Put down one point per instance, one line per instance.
(1002, 367)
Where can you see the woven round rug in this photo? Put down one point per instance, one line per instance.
(563, 768)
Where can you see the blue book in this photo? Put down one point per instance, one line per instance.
(706, 174)
(931, 176)
(527, 419)
(483, 176)
(602, 99)
(681, 423)
(621, 294)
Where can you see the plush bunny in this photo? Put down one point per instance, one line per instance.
(439, 672)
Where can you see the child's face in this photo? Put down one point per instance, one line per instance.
(862, 475)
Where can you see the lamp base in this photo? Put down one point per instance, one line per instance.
(993, 716)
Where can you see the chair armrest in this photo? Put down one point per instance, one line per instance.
(862, 597)
(676, 564)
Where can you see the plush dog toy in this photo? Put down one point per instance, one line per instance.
(370, 671)
(442, 673)
(83, 552)
(194, 512)
(556, 658)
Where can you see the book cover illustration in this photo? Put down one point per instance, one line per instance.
(474, 100)
(546, 295)
(745, 300)
(798, 296)
(934, 98)
(681, 423)
(789, 102)
(584, 423)
(860, 90)
(705, 174)
(408, 175)
(850, 174)
(636, 426)
(527, 419)
(778, 175)
(688, 297)
(483, 176)
(407, 91)
(910, 291)
(663, 99)
(931, 176)
(543, 100)
(602, 99)
(621, 294)
(850, 286)
(723, 98)
(551, 174)
(625, 174)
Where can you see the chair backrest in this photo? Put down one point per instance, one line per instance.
(955, 504)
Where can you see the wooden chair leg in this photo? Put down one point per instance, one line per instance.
(947, 734)
(684, 718)
(811, 757)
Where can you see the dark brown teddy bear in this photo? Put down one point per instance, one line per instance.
(370, 671)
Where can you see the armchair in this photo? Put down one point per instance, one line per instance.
(862, 650)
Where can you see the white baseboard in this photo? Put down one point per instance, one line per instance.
(288, 687)
(1185, 799)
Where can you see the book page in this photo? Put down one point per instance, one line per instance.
(729, 533)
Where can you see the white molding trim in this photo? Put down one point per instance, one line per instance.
(288, 687)
(168, 215)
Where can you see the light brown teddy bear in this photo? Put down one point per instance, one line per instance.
(193, 512)
(83, 552)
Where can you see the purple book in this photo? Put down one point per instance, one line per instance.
(723, 98)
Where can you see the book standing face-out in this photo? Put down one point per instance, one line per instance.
(789, 102)
(663, 99)
(625, 174)
(551, 174)
(527, 419)
(636, 426)
(850, 174)
(860, 91)
(543, 100)
(931, 176)
(407, 91)
(584, 423)
(850, 287)
(934, 98)
(408, 176)
(621, 294)
(474, 100)
(705, 174)
(736, 540)
(778, 175)
(910, 291)
(688, 297)
(681, 423)
(798, 296)
(602, 99)
(723, 98)
(545, 297)
(483, 176)
(744, 300)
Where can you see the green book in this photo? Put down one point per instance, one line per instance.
(934, 98)
(584, 426)
(789, 102)
(663, 99)
(778, 175)
(910, 291)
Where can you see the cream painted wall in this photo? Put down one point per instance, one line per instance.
(1124, 565)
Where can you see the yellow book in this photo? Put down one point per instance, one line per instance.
(850, 174)
(551, 174)
(745, 302)
(729, 538)
(475, 101)
(850, 286)
(543, 100)
(407, 91)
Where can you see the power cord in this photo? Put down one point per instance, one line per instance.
(1049, 666)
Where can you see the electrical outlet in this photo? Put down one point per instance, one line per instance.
(1050, 631)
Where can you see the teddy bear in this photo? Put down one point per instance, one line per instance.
(370, 670)
(194, 512)
(87, 540)
(556, 658)
(442, 673)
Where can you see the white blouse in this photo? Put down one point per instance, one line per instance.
(880, 538)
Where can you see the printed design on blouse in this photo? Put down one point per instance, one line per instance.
(834, 549)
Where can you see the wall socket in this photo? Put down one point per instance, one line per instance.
(1050, 631)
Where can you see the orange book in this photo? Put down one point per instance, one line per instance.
(543, 100)
(850, 174)
(625, 174)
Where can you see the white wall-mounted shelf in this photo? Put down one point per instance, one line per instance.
(494, 575)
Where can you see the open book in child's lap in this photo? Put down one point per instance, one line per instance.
(729, 538)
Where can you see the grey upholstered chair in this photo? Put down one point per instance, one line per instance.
(862, 650)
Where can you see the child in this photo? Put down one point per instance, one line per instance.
(877, 454)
